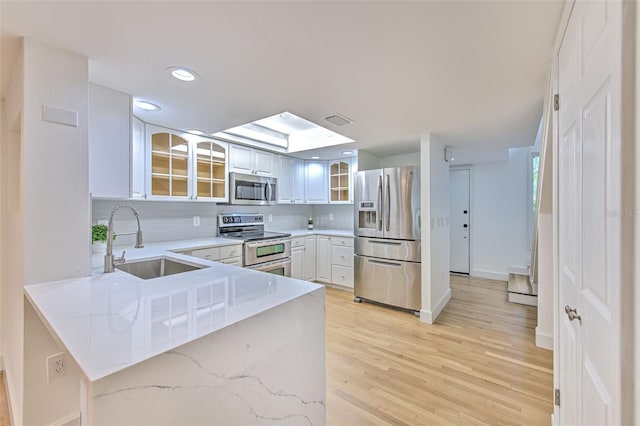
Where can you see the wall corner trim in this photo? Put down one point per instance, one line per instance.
(430, 316)
(544, 340)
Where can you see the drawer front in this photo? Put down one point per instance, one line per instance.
(230, 251)
(212, 253)
(233, 261)
(297, 242)
(342, 241)
(342, 256)
(342, 275)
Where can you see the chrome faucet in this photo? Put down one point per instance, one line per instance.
(109, 261)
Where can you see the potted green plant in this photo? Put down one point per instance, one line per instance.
(99, 238)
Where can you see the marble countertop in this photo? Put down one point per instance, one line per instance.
(108, 322)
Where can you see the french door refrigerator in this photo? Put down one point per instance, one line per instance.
(387, 224)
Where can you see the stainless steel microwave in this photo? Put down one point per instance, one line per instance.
(251, 189)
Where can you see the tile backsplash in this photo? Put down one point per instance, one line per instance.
(173, 220)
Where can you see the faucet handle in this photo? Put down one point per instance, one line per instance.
(120, 259)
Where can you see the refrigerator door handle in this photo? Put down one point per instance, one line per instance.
(380, 262)
(388, 203)
(379, 203)
(386, 243)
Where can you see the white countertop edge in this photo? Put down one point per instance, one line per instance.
(51, 319)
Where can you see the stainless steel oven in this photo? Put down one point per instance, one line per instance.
(263, 250)
(251, 189)
(266, 250)
(277, 267)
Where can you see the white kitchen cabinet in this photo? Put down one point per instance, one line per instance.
(251, 161)
(137, 158)
(342, 261)
(231, 255)
(323, 258)
(183, 166)
(316, 184)
(303, 258)
(290, 176)
(309, 269)
(340, 181)
(297, 258)
(109, 136)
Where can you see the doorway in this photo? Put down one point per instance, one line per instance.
(460, 214)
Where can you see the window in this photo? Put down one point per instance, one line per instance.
(534, 163)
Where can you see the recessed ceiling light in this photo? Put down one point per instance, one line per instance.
(315, 157)
(347, 152)
(195, 132)
(147, 106)
(182, 74)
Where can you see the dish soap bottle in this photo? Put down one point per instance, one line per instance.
(310, 222)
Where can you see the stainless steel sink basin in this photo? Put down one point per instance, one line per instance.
(158, 267)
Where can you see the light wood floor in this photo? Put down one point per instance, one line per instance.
(477, 365)
(5, 419)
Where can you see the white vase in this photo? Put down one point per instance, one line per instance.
(99, 247)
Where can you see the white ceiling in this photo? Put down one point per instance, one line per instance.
(472, 72)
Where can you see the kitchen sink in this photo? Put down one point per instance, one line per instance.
(157, 267)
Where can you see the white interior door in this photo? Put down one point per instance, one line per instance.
(460, 220)
(589, 329)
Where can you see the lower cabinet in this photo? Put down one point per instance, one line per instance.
(303, 258)
(323, 259)
(335, 260)
(231, 255)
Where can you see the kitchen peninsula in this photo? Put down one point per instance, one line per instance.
(216, 345)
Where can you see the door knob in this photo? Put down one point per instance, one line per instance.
(572, 313)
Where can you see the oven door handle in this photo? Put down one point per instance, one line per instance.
(269, 265)
(267, 243)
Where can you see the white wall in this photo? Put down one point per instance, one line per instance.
(47, 188)
(12, 241)
(436, 291)
(412, 159)
(499, 216)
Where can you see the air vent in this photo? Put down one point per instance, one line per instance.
(338, 120)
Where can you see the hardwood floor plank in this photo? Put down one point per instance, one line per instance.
(477, 365)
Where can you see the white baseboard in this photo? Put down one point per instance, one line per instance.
(70, 420)
(544, 340)
(430, 316)
(523, 299)
(522, 270)
(500, 276)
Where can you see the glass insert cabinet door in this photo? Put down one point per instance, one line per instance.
(339, 186)
(169, 165)
(210, 170)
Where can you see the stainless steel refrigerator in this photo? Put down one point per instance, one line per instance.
(387, 230)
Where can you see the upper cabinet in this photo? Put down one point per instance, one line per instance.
(110, 161)
(290, 174)
(185, 166)
(340, 181)
(316, 186)
(251, 161)
(210, 181)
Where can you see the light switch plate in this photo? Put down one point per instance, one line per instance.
(59, 116)
(196, 221)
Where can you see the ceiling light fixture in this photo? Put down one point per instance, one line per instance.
(315, 157)
(147, 106)
(195, 132)
(182, 74)
(347, 152)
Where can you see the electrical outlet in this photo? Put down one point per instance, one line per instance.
(330, 216)
(196, 221)
(56, 367)
(270, 218)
